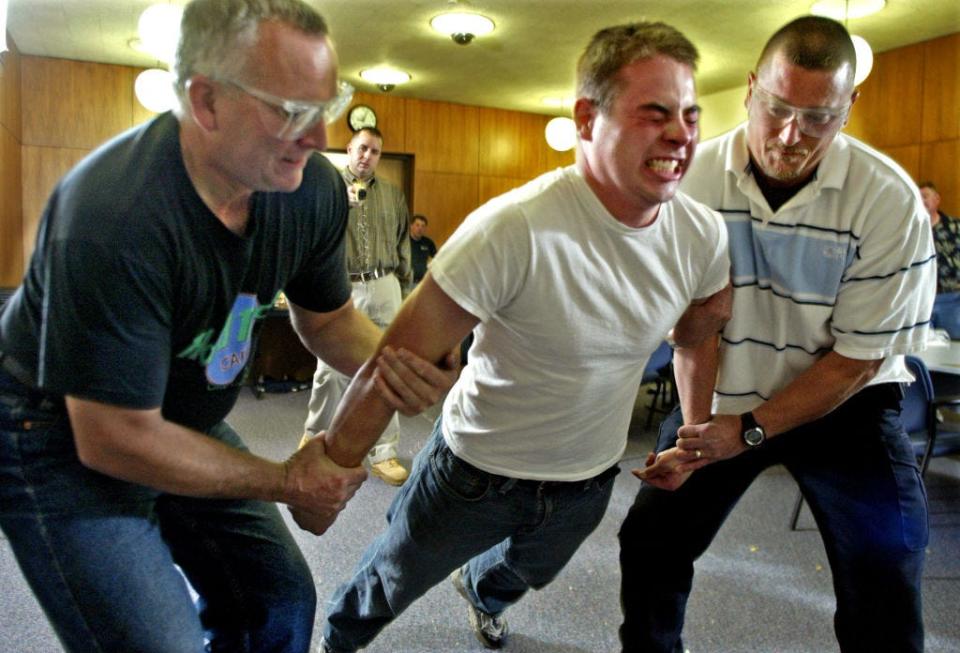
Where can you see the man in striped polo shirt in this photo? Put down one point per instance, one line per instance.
(833, 272)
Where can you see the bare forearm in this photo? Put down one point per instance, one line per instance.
(172, 458)
(695, 370)
(429, 324)
(816, 392)
(360, 419)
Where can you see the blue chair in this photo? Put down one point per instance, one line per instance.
(918, 411)
(659, 371)
(920, 420)
(946, 313)
(945, 439)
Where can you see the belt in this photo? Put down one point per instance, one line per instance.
(371, 275)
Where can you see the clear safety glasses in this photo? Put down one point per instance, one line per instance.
(815, 122)
(291, 119)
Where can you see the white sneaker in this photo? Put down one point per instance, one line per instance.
(490, 631)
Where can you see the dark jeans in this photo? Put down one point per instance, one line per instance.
(104, 557)
(856, 469)
(505, 534)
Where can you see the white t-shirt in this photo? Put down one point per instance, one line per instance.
(572, 303)
(847, 264)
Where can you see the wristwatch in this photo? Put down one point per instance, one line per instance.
(753, 434)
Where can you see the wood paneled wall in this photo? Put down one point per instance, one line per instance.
(11, 211)
(74, 106)
(909, 107)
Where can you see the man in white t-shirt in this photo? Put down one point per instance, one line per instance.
(571, 282)
(833, 272)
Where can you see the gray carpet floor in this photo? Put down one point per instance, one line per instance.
(760, 587)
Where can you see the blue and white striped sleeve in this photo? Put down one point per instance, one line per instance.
(886, 297)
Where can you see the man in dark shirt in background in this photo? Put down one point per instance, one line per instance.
(422, 248)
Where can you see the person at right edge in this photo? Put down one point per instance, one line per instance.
(833, 272)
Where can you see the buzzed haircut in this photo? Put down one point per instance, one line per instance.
(612, 48)
(373, 131)
(813, 43)
(420, 217)
(930, 185)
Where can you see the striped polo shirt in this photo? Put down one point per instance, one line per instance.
(847, 264)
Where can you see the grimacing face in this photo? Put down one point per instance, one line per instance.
(636, 152)
(784, 154)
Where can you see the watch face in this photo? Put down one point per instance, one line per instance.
(361, 116)
(753, 437)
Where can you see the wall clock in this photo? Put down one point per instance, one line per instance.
(361, 116)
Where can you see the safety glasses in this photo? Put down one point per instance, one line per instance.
(815, 122)
(289, 120)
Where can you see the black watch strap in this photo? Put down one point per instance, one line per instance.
(752, 433)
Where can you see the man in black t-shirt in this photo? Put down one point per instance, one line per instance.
(122, 353)
(422, 249)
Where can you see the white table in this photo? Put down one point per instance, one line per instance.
(943, 357)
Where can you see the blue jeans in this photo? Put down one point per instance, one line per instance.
(104, 557)
(508, 535)
(856, 469)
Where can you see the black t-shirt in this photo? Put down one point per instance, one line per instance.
(420, 251)
(138, 296)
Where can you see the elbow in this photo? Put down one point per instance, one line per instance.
(694, 333)
(103, 449)
(93, 454)
(702, 321)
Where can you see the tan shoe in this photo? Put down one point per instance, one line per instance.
(390, 471)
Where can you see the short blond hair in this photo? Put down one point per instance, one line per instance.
(612, 48)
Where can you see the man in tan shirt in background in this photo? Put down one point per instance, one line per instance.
(378, 261)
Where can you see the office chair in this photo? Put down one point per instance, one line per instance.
(919, 416)
(659, 371)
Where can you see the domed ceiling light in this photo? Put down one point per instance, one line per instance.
(561, 134)
(385, 78)
(844, 10)
(154, 90)
(462, 27)
(159, 30)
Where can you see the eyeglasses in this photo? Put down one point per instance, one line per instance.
(298, 117)
(812, 122)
